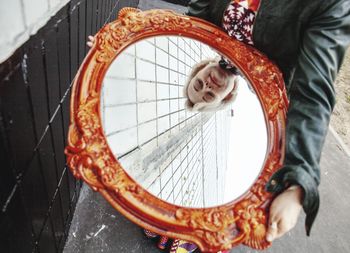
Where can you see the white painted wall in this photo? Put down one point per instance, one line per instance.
(19, 19)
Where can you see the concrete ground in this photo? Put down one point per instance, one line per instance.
(97, 227)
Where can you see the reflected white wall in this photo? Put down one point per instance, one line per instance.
(179, 156)
(248, 142)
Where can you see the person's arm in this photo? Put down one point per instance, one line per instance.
(312, 99)
(199, 9)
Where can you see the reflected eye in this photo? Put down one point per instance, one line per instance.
(209, 96)
(198, 85)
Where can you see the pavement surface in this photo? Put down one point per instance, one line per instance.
(97, 227)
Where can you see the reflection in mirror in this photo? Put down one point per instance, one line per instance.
(184, 157)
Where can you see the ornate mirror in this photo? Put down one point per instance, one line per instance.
(199, 176)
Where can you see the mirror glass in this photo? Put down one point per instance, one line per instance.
(188, 158)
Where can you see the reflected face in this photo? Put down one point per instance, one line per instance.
(210, 85)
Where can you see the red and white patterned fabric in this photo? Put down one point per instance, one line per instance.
(238, 19)
(150, 234)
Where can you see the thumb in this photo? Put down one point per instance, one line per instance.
(271, 231)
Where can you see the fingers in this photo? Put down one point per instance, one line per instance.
(284, 212)
(90, 41)
(277, 230)
(272, 231)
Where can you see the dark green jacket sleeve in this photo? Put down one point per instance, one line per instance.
(312, 98)
(199, 9)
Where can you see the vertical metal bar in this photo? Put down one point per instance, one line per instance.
(93, 16)
(97, 15)
(43, 51)
(106, 11)
(85, 26)
(70, 12)
(100, 14)
(26, 81)
(110, 8)
(61, 109)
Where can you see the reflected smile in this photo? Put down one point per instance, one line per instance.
(214, 81)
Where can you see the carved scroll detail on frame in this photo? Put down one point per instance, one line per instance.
(90, 158)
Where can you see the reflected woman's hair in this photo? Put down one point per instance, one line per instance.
(210, 87)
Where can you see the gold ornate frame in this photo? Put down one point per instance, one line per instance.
(90, 158)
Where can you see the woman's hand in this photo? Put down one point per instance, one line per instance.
(284, 212)
(90, 41)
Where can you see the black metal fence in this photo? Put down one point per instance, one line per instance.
(37, 192)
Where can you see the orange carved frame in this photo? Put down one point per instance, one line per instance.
(90, 158)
